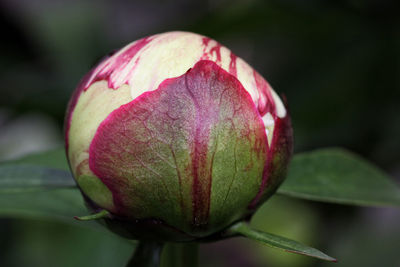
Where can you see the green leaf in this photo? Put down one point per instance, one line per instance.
(23, 177)
(339, 176)
(274, 241)
(36, 172)
(62, 204)
(53, 159)
(40, 186)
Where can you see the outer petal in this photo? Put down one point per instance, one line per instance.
(192, 150)
(279, 155)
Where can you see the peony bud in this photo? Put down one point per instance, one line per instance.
(176, 137)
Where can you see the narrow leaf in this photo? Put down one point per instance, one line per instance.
(40, 186)
(339, 176)
(274, 241)
(61, 204)
(36, 172)
(95, 216)
(53, 159)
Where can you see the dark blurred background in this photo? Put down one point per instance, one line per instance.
(337, 62)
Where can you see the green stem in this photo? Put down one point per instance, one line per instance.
(147, 254)
(180, 255)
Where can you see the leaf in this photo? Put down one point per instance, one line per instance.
(36, 172)
(53, 159)
(40, 186)
(339, 176)
(278, 242)
(57, 203)
(48, 204)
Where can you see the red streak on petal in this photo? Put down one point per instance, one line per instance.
(206, 118)
(201, 180)
(206, 40)
(265, 101)
(232, 65)
(265, 179)
(279, 154)
(104, 71)
(117, 63)
(217, 50)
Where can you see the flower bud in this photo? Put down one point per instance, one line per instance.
(176, 137)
